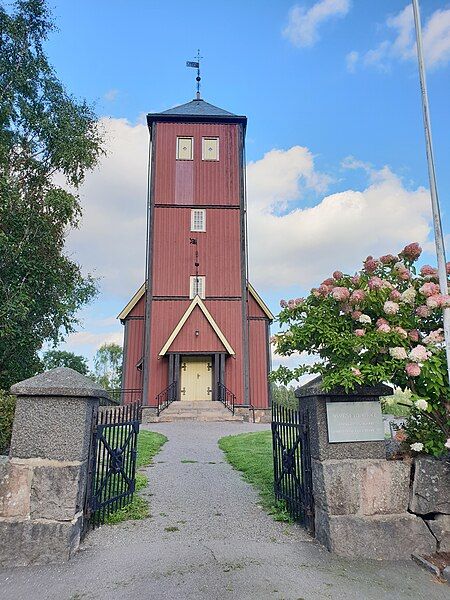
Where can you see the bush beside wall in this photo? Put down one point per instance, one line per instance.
(7, 408)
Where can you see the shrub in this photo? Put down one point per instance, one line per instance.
(7, 408)
(383, 324)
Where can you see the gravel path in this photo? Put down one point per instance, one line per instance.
(208, 539)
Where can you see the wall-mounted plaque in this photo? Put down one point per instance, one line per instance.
(354, 421)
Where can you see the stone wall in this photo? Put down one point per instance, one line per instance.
(430, 497)
(43, 483)
(361, 499)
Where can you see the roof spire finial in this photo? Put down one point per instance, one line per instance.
(196, 65)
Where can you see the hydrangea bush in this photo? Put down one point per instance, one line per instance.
(383, 324)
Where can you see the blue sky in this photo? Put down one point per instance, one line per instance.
(319, 81)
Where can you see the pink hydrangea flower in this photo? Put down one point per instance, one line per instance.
(299, 301)
(412, 369)
(434, 337)
(283, 303)
(414, 335)
(390, 308)
(423, 311)
(404, 274)
(411, 251)
(315, 292)
(370, 264)
(360, 332)
(375, 283)
(356, 279)
(329, 282)
(395, 295)
(444, 300)
(346, 308)
(401, 332)
(428, 270)
(357, 296)
(324, 290)
(388, 258)
(384, 328)
(356, 371)
(419, 354)
(356, 314)
(434, 301)
(338, 275)
(291, 304)
(382, 321)
(340, 293)
(429, 289)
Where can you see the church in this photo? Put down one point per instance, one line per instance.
(197, 330)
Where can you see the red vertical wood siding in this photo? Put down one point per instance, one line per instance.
(213, 182)
(206, 340)
(218, 248)
(259, 393)
(134, 332)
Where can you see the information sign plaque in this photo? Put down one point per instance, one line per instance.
(354, 422)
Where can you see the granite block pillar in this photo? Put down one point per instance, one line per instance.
(43, 483)
(361, 499)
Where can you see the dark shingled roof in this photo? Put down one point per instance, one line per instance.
(197, 108)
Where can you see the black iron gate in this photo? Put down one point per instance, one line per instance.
(112, 472)
(292, 463)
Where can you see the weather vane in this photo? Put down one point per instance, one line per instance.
(196, 65)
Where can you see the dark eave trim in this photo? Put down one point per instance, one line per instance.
(161, 118)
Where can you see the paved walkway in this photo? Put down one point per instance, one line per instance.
(224, 546)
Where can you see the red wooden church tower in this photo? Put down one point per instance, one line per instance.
(197, 330)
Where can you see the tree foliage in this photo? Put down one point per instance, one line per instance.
(61, 358)
(384, 324)
(46, 136)
(108, 366)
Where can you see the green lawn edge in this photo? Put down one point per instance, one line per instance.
(252, 455)
(148, 445)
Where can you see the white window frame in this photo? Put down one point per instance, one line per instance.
(193, 288)
(204, 141)
(194, 226)
(185, 137)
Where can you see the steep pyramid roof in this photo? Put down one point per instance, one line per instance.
(197, 107)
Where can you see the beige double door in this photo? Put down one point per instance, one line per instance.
(196, 378)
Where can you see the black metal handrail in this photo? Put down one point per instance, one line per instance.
(166, 397)
(227, 398)
(125, 396)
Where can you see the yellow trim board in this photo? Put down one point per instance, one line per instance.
(197, 301)
(132, 303)
(260, 301)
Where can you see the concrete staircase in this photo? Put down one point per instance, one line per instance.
(195, 411)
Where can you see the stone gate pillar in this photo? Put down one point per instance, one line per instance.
(361, 499)
(43, 482)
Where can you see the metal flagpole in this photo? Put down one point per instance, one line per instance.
(438, 235)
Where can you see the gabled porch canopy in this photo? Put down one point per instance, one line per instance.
(197, 302)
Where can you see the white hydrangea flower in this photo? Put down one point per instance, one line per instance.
(409, 295)
(421, 404)
(365, 319)
(417, 446)
(398, 353)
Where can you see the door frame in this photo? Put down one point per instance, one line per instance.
(218, 369)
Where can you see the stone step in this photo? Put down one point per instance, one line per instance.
(195, 411)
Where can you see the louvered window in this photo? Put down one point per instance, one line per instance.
(197, 286)
(198, 219)
(210, 148)
(185, 148)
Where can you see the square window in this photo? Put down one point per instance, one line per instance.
(197, 286)
(198, 219)
(210, 148)
(185, 148)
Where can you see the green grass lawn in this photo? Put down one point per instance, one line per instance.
(149, 444)
(251, 453)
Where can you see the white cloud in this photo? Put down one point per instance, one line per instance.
(306, 244)
(402, 45)
(303, 24)
(351, 61)
(111, 240)
(111, 95)
(93, 339)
